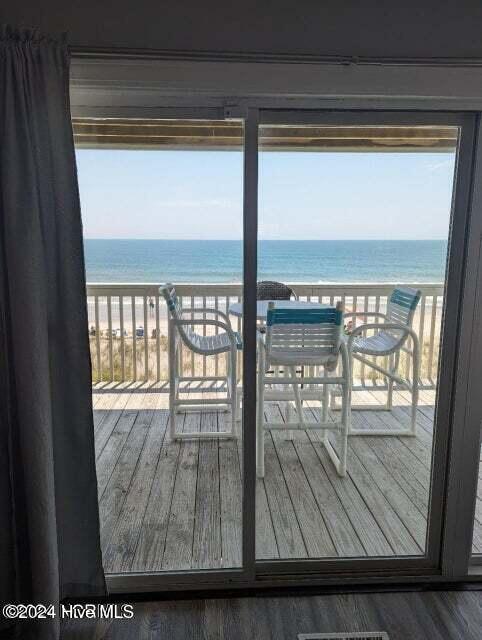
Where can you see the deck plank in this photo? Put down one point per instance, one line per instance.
(111, 410)
(266, 544)
(179, 537)
(152, 538)
(315, 534)
(401, 538)
(285, 523)
(398, 536)
(420, 445)
(118, 487)
(399, 460)
(107, 459)
(361, 518)
(405, 468)
(101, 403)
(414, 520)
(343, 534)
(206, 548)
(231, 497)
(168, 505)
(120, 551)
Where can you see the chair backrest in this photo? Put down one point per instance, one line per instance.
(401, 308)
(169, 293)
(175, 312)
(271, 290)
(304, 335)
(402, 304)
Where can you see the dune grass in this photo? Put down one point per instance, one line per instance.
(193, 364)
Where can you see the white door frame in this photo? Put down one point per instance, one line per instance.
(135, 89)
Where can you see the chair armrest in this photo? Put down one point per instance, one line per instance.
(206, 323)
(208, 310)
(382, 326)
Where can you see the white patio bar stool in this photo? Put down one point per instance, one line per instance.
(227, 341)
(296, 338)
(389, 337)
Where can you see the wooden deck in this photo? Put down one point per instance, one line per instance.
(170, 506)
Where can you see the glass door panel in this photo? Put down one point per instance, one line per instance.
(162, 202)
(353, 219)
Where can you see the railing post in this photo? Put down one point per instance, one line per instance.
(158, 341)
(134, 338)
(146, 340)
(121, 322)
(97, 338)
(109, 332)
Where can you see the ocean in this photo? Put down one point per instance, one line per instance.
(182, 261)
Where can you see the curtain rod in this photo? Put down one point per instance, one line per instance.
(108, 53)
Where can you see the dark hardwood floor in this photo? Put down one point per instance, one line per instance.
(452, 615)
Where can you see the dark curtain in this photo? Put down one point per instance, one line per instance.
(49, 523)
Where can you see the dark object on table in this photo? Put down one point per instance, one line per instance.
(270, 290)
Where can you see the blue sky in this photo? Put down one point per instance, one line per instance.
(317, 196)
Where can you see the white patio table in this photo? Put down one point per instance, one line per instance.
(236, 309)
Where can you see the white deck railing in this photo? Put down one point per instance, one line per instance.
(128, 325)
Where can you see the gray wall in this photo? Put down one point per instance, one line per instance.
(396, 28)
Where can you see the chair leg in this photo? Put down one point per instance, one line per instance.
(324, 412)
(289, 406)
(394, 361)
(296, 391)
(413, 426)
(416, 373)
(325, 402)
(345, 411)
(349, 386)
(172, 385)
(390, 394)
(260, 418)
(172, 418)
(345, 420)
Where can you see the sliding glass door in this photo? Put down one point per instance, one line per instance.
(361, 232)
(162, 202)
(284, 405)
